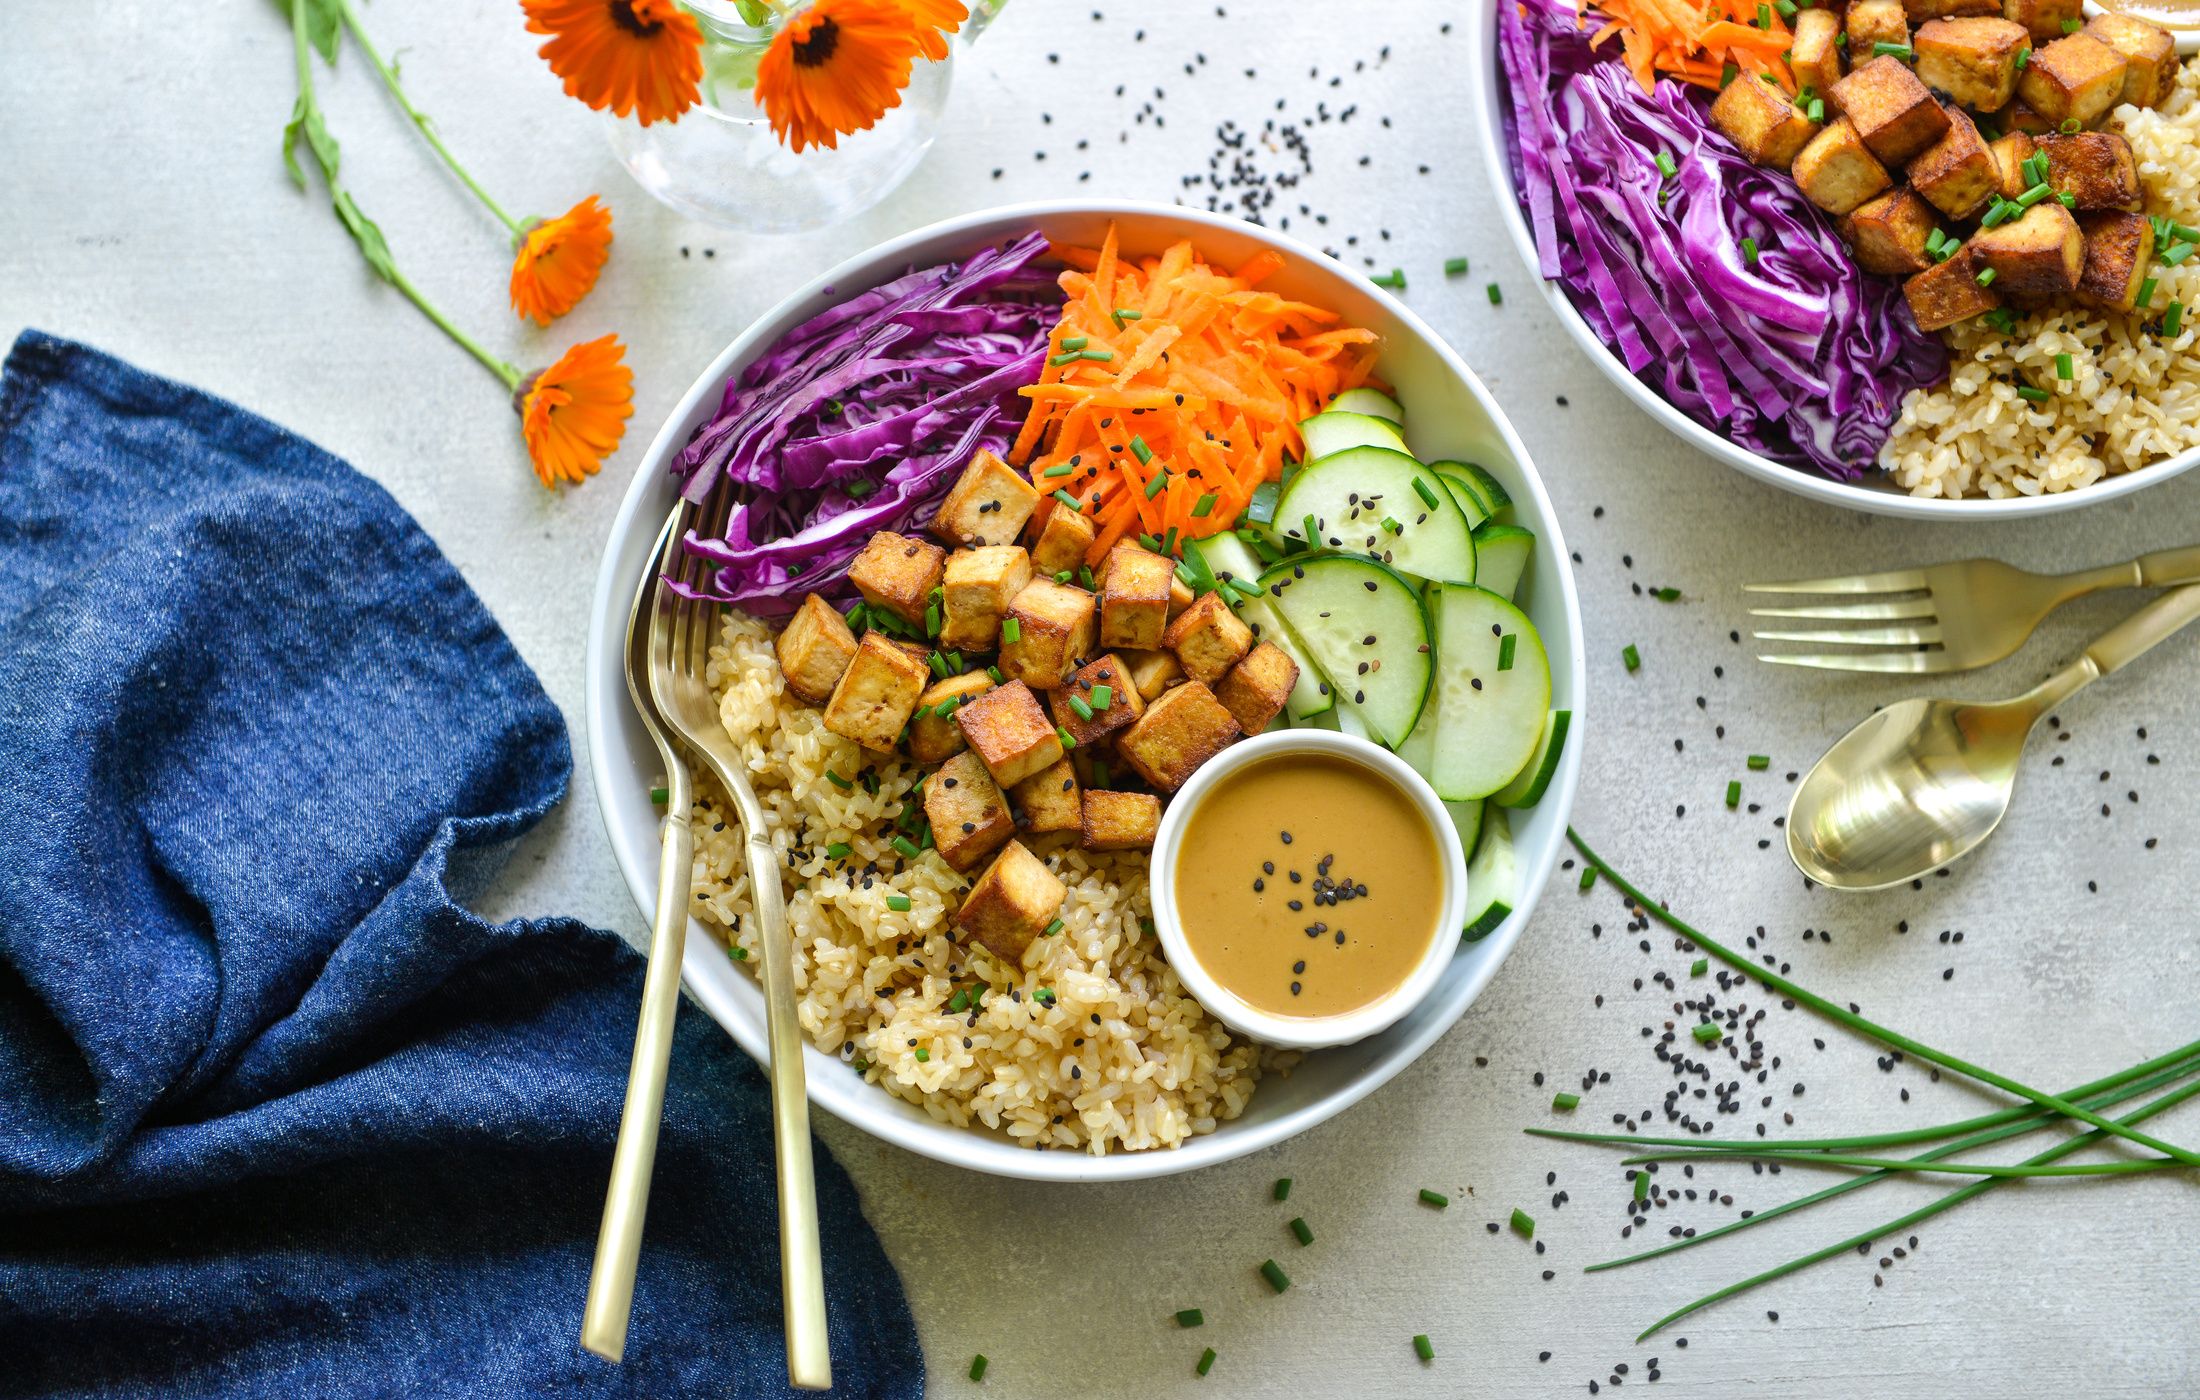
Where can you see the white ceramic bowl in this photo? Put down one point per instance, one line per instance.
(1454, 416)
(1872, 493)
(1303, 1032)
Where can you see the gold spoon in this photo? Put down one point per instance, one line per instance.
(1923, 782)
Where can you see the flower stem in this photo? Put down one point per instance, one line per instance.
(1891, 1164)
(501, 369)
(420, 119)
(1877, 1032)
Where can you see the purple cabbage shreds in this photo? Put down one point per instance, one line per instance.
(861, 418)
(1800, 356)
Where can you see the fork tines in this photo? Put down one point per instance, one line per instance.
(1916, 644)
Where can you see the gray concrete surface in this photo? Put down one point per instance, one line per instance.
(146, 211)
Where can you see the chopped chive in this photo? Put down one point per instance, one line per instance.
(1283, 1188)
(1426, 492)
(838, 850)
(1313, 536)
(1455, 267)
(1632, 657)
(837, 781)
(1817, 112)
(2072, 26)
(2064, 367)
(1666, 595)
(1074, 342)
(1764, 16)
(960, 1002)
(1057, 361)
(1565, 1102)
(1101, 355)
(1124, 313)
(1749, 250)
(660, 796)
(931, 619)
(1588, 877)
(1301, 1232)
(1103, 696)
(899, 903)
(1985, 277)
(1100, 774)
(2024, 58)
(1523, 1224)
(1058, 469)
(1728, 72)
(1434, 1198)
(1666, 167)
(1759, 762)
(738, 954)
(1051, 929)
(2032, 395)
(938, 662)
(1150, 543)
(1733, 794)
(1785, 7)
(1063, 576)
(1206, 1362)
(1883, 49)
(1143, 453)
(1841, 41)
(2173, 316)
(1497, 296)
(1077, 704)
(1156, 483)
(924, 1056)
(1422, 1348)
(1203, 506)
(904, 845)
(2071, 126)
(2033, 196)
(1168, 541)
(977, 1367)
(1393, 525)
(1705, 1033)
(1011, 630)
(1190, 1317)
(2146, 294)
(1699, 967)
(1642, 1186)
(2176, 253)
(993, 673)
(1061, 494)
(1277, 1278)
(1506, 645)
(1395, 279)
(1069, 741)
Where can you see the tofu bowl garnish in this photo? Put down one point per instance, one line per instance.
(1044, 515)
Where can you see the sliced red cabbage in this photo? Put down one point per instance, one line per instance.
(860, 418)
(1800, 356)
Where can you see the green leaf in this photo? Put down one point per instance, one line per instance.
(305, 116)
(367, 235)
(754, 13)
(324, 25)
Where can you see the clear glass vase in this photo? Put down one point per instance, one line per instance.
(720, 162)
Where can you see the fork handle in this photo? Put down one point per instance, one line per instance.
(2124, 643)
(2166, 567)
(801, 1261)
(619, 1242)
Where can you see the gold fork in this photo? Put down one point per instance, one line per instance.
(1973, 611)
(681, 633)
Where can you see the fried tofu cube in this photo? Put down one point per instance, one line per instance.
(2043, 19)
(2118, 248)
(1049, 629)
(1924, 11)
(2019, 116)
(1875, 22)
(1049, 801)
(1892, 111)
(1837, 172)
(2076, 78)
(1946, 293)
(1956, 174)
(1815, 58)
(989, 504)
(1180, 597)
(1256, 687)
(1120, 821)
(898, 573)
(2010, 152)
(975, 590)
(2149, 53)
(968, 812)
(1062, 541)
(1006, 728)
(1102, 687)
(1012, 903)
(1887, 235)
(876, 694)
(1152, 671)
(2035, 257)
(814, 648)
(1134, 598)
(1973, 60)
(1208, 638)
(1762, 121)
(2095, 168)
(1181, 730)
(934, 737)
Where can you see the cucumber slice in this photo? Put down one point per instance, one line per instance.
(1228, 557)
(1372, 402)
(1419, 749)
(1350, 494)
(1488, 721)
(1465, 494)
(1526, 788)
(1493, 878)
(1467, 819)
(1487, 488)
(1329, 433)
(1335, 603)
(1501, 557)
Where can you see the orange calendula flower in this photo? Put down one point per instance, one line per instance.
(838, 66)
(558, 261)
(574, 413)
(640, 56)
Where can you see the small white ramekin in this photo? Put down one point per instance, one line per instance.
(1308, 1032)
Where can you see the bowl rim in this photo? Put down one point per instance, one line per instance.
(1873, 497)
(1299, 1032)
(649, 490)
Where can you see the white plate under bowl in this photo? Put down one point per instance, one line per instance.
(1873, 492)
(1453, 416)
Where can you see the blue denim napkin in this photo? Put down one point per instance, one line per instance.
(279, 1116)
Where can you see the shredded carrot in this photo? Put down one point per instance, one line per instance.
(1695, 40)
(1182, 380)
